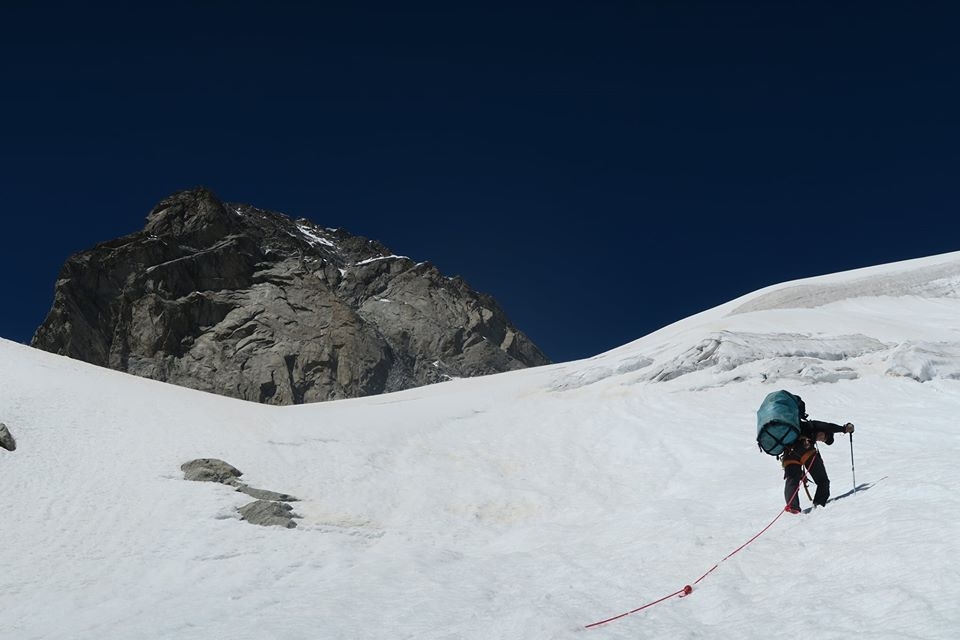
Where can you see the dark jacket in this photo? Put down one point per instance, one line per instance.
(798, 451)
(810, 429)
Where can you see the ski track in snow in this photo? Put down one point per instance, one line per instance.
(522, 505)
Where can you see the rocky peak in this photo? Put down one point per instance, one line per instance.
(249, 303)
(195, 218)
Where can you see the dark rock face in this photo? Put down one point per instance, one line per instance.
(252, 304)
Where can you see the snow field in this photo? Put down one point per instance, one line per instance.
(523, 505)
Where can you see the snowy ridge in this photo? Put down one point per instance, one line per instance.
(521, 505)
(734, 342)
(930, 281)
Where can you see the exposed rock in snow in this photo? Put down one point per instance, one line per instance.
(6, 438)
(209, 470)
(214, 470)
(268, 514)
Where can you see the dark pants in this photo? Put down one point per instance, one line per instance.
(815, 469)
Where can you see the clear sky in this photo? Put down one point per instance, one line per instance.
(601, 168)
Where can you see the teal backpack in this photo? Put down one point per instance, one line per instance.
(778, 421)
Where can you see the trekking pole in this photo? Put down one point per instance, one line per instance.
(806, 473)
(853, 469)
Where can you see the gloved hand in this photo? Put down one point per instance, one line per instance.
(848, 428)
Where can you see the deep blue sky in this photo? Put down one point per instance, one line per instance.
(601, 168)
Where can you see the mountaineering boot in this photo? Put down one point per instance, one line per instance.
(791, 509)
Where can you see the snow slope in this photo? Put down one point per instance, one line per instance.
(523, 505)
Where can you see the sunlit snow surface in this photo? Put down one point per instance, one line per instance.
(523, 505)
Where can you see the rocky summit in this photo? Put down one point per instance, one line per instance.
(252, 304)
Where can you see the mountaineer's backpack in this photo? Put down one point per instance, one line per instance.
(778, 421)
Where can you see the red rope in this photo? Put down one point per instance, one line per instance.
(687, 589)
(650, 604)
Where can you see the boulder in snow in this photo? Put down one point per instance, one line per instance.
(6, 438)
(268, 514)
(268, 510)
(210, 470)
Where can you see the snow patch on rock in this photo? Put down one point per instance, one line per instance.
(378, 258)
(312, 235)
